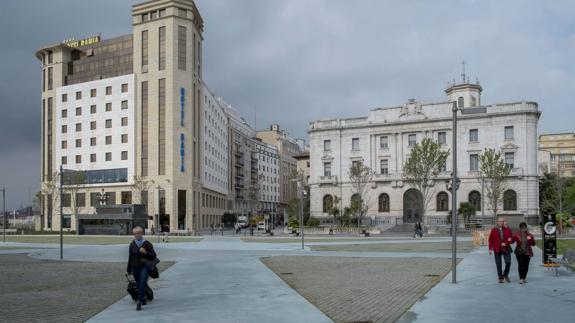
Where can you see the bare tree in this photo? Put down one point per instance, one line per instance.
(140, 185)
(425, 162)
(360, 176)
(495, 173)
(73, 183)
(50, 190)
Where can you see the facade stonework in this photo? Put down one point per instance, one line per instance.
(382, 142)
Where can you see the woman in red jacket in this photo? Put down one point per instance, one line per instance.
(523, 251)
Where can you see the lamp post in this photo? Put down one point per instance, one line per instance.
(61, 214)
(455, 184)
(301, 193)
(4, 211)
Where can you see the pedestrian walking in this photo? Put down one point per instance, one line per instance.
(213, 227)
(523, 252)
(222, 229)
(500, 240)
(142, 261)
(166, 232)
(418, 230)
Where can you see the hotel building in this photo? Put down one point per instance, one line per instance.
(127, 112)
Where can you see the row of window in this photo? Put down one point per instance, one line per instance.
(473, 164)
(442, 201)
(412, 139)
(95, 198)
(93, 109)
(94, 92)
(108, 157)
(93, 141)
(474, 161)
(108, 124)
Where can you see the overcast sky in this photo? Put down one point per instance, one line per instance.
(294, 61)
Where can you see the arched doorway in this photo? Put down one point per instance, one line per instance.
(412, 203)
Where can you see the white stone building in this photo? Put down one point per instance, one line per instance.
(382, 141)
(268, 179)
(215, 147)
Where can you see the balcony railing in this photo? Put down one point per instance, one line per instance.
(328, 179)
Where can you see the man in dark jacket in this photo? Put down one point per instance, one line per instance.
(500, 240)
(141, 261)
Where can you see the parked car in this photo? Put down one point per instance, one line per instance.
(243, 223)
(261, 225)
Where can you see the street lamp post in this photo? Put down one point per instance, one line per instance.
(61, 215)
(454, 198)
(455, 185)
(301, 218)
(4, 211)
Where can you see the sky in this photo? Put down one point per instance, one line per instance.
(295, 61)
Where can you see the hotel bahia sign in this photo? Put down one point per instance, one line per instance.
(82, 42)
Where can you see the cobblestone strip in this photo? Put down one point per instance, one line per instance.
(360, 289)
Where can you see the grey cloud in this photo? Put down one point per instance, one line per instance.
(295, 61)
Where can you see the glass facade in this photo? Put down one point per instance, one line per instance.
(108, 58)
(101, 176)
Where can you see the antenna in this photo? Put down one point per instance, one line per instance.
(255, 119)
(463, 74)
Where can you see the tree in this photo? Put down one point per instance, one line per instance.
(360, 176)
(74, 182)
(424, 164)
(50, 190)
(555, 194)
(467, 210)
(495, 173)
(333, 209)
(140, 185)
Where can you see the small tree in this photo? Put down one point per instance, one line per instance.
(140, 185)
(333, 209)
(495, 173)
(554, 193)
(74, 182)
(50, 190)
(360, 176)
(467, 210)
(423, 166)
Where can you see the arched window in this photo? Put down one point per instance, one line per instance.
(474, 199)
(460, 102)
(383, 205)
(510, 200)
(327, 203)
(442, 201)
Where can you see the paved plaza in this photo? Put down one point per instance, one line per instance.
(223, 279)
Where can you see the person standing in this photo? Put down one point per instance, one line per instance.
(500, 240)
(141, 263)
(523, 251)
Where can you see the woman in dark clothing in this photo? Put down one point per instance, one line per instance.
(141, 262)
(524, 240)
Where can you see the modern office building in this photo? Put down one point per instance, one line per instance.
(557, 154)
(126, 111)
(382, 141)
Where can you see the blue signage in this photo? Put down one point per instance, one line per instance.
(182, 104)
(182, 153)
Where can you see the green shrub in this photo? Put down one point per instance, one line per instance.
(312, 222)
